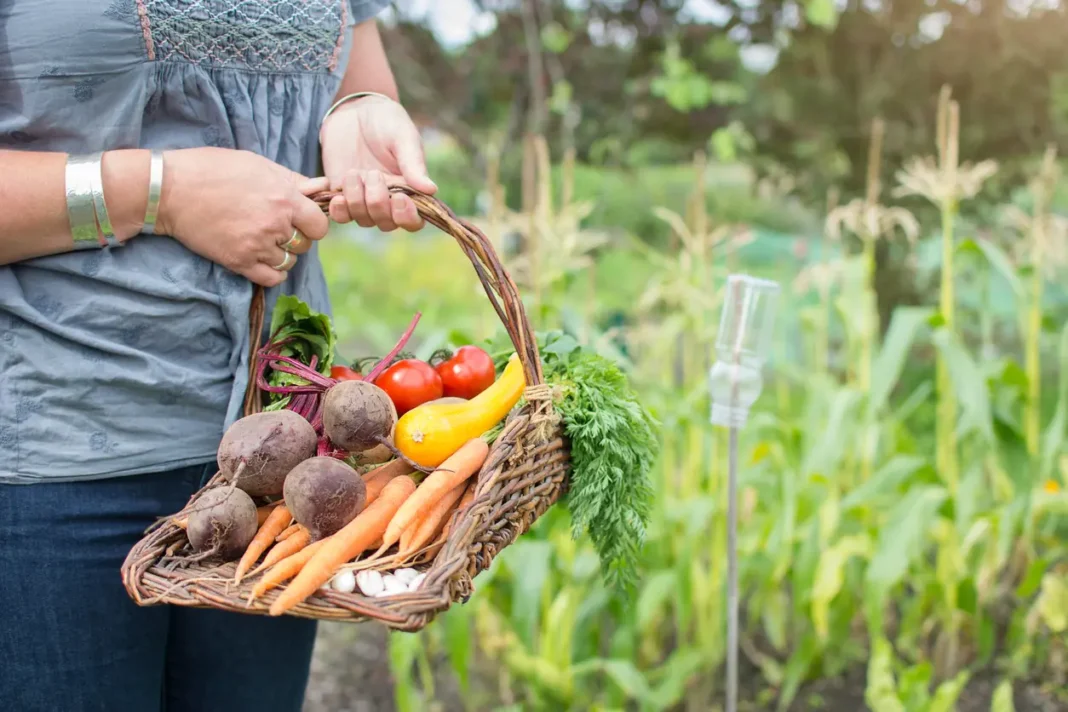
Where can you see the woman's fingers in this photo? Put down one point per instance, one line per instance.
(309, 218)
(405, 213)
(311, 186)
(376, 195)
(281, 260)
(339, 210)
(353, 190)
(412, 162)
(297, 243)
(366, 200)
(264, 275)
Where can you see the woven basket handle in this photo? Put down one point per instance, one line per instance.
(499, 287)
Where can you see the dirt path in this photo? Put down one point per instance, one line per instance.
(350, 670)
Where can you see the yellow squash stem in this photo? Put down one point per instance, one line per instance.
(429, 434)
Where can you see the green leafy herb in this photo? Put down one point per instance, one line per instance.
(308, 334)
(614, 444)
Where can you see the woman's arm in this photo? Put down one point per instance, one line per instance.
(34, 222)
(368, 69)
(235, 208)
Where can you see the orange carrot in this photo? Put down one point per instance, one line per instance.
(379, 477)
(422, 530)
(465, 501)
(343, 546)
(406, 538)
(456, 469)
(285, 569)
(263, 512)
(288, 532)
(282, 549)
(276, 521)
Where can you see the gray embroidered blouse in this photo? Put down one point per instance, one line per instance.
(134, 360)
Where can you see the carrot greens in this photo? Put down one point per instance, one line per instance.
(614, 442)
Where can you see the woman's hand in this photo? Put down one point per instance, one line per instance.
(238, 209)
(370, 144)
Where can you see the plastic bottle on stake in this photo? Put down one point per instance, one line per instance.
(734, 384)
(742, 346)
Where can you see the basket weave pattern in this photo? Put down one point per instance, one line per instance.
(525, 473)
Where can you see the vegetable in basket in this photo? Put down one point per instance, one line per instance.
(357, 415)
(432, 432)
(273, 526)
(344, 373)
(614, 443)
(345, 545)
(222, 523)
(466, 372)
(324, 495)
(410, 383)
(352, 418)
(258, 451)
(303, 334)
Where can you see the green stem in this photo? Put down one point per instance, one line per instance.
(823, 334)
(868, 335)
(1033, 364)
(867, 344)
(947, 401)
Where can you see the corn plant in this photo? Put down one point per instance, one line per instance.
(1044, 250)
(869, 221)
(945, 182)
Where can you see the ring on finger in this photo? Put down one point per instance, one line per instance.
(294, 241)
(287, 263)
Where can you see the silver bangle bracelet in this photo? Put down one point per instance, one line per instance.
(80, 172)
(155, 190)
(107, 232)
(351, 97)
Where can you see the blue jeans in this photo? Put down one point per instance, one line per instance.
(71, 640)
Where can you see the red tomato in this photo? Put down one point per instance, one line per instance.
(343, 373)
(469, 372)
(410, 383)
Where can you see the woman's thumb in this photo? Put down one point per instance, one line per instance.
(412, 162)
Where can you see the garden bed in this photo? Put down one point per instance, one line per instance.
(351, 671)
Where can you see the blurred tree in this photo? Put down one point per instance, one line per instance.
(607, 72)
(617, 73)
(636, 81)
(1007, 67)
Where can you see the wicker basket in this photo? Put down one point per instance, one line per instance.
(525, 473)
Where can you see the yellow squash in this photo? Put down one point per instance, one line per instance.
(432, 432)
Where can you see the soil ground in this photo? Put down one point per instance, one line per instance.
(350, 673)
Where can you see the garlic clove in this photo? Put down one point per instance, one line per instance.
(345, 582)
(370, 582)
(393, 585)
(405, 575)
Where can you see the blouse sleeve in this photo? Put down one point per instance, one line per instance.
(363, 10)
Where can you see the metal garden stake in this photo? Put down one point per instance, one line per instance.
(742, 346)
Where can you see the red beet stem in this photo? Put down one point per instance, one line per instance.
(327, 449)
(388, 359)
(296, 368)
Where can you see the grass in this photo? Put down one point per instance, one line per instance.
(862, 557)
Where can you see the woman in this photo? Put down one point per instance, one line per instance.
(121, 366)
